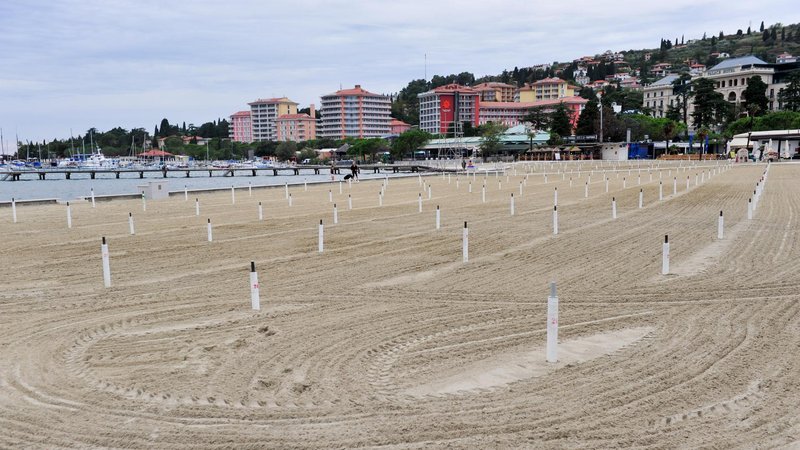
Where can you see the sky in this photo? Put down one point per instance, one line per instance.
(76, 64)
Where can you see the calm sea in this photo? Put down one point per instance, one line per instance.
(80, 185)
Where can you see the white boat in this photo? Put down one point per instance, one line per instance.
(96, 160)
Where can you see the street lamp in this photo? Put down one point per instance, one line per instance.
(600, 105)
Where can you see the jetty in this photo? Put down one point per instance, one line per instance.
(117, 172)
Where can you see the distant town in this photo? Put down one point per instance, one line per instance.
(705, 89)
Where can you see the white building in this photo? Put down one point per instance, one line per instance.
(355, 113)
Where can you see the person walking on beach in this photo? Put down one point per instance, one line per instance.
(354, 170)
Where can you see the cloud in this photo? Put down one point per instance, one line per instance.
(103, 63)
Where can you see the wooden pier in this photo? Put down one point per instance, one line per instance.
(42, 174)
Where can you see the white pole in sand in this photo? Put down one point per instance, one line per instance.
(260, 212)
(641, 198)
(255, 298)
(144, 202)
(419, 201)
(720, 226)
(349, 202)
(613, 207)
(69, 216)
(687, 182)
(249, 189)
(210, 238)
(438, 218)
(290, 199)
(233, 196)
(665, 256)
(624, 183)
(185, 193)
(92, 191)
(465, 243)
(106, 264)
(512, 203)
(586, 190)
(14, 210)
(429, 192)
(330, 196)
(335, 214)
(555, 219)
(340, 187)
(749, 209)
(606, 185)
(555, 196)
(660, 191)
(675, 186)
(470, 187)
(197, 207)
(286, 189)
(552, 324)
(483, 193)
(520, 188)
(305, 184)
(321, 234)
(380, 199)
(130, 223)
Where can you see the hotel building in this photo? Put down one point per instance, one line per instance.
(355, 113)
(264, 113)
(440, 108)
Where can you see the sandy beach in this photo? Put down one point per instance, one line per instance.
(388, 339)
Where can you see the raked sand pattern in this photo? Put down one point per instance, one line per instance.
(388, 340)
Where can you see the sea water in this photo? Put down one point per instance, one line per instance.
(80, 185)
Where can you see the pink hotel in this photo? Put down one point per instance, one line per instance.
(240, 128)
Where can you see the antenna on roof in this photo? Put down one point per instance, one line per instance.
(426, 67)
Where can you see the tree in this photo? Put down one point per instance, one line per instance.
(165, 128)
(682, 88)
(749, 31)
(560, 121)
(286, 150)
(762, 26)
(173, 144)
(789, 97)
(754, 96)
(589, 119)
(538, 118)
(409, 142)
(710, 107)
(490, 142)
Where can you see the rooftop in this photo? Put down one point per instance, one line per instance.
(356, 91)
(272, 100)
(737, 62)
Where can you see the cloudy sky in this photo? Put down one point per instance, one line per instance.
(76, 64)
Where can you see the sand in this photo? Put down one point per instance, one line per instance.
(387, 339)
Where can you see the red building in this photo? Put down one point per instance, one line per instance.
(441, 108)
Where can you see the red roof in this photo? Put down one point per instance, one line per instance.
(151, 153)
(396, 122)
(272, 100)
(526, 105)
(453, 87)
(241, 114)
(357, 91)
(549, 81)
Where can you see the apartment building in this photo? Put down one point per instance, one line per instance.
(444, 106)
(512, 114)
(240, 128)
(496, 92)
(264, 113)
(546, 89)
(296, 127)
(398, 127)
(658, 96)
(355, 113)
